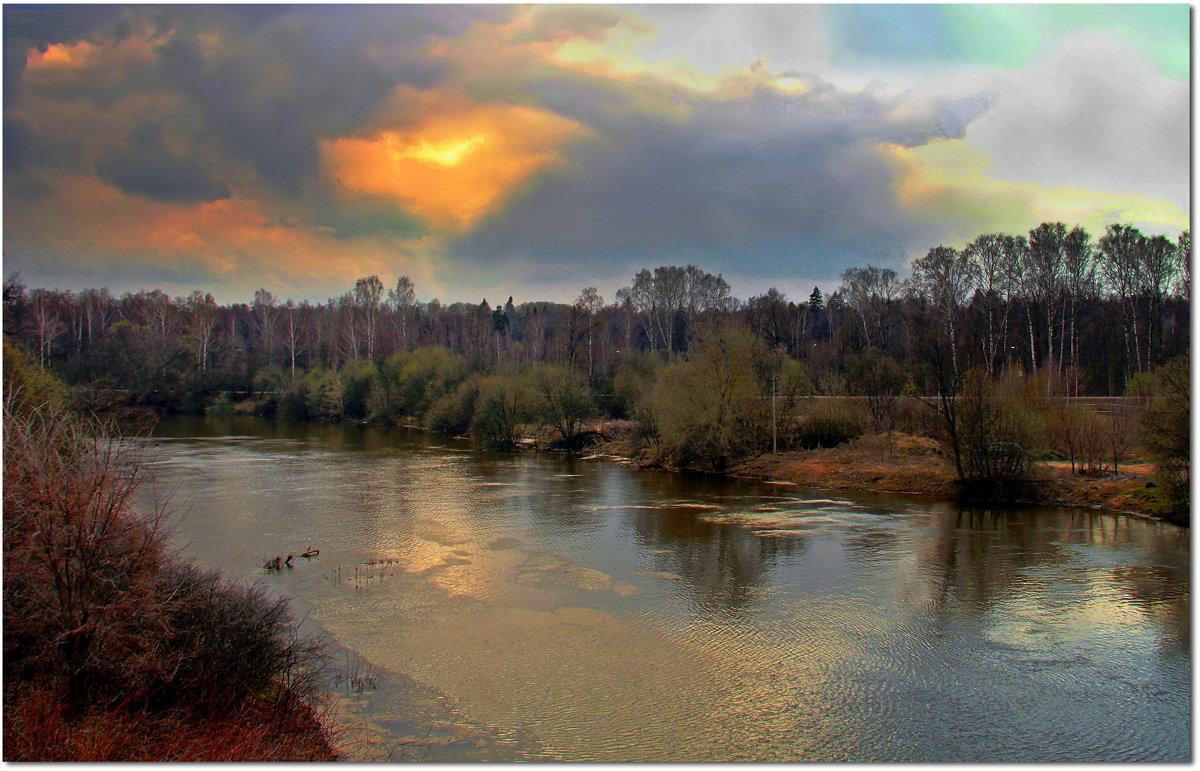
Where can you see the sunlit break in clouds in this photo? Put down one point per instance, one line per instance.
(534, 150)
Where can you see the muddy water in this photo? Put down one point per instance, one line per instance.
(489, 606)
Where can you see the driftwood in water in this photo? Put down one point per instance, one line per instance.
(277, 563)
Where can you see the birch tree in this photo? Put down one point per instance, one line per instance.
(1044, 269)
(1119, 264)
(368, 297)
(403, 300)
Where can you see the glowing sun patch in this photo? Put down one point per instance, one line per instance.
(454, 167)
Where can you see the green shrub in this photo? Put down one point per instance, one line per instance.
(360, 381)
(323, 394)
(562, 399)
(711, 408)
(452, 413)
(632, 379)
(828, 423)
(1166, 434)
(222, 406)
(28, 383)
(426, 375)
(998, 436)
(503, 405)
(293, 405)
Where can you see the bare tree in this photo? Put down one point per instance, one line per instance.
(201, 324)
(944, 278)
(1044, 267)
(368, 296)
(263, 309)
(347, 329)
(1120, 263)
(293, 332)
(1014, 250)
(870, 291)
(403, 301)
(675, 292)
(994, 280)
(98, 308)
(44, 306)
(1157, 275)
(1079, 271)
(1183, 263)
(589, 303)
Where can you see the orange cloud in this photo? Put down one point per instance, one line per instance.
(238, 241)
(109, 59)
(455, 166)
(61, 55)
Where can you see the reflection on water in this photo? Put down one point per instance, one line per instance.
(550, 607)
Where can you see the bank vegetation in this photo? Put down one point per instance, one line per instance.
(114, 648)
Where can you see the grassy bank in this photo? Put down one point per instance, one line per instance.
(911, 465)
(114, 648)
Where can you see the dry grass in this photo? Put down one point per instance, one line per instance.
(894, 463)
(898, 463)
(40, 725)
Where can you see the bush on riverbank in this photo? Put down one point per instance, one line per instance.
(709, 408)
(105, 631)
(1165, 427)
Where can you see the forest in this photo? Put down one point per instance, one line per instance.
(1023, 335)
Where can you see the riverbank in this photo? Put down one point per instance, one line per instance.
(911, 465)
(116, 649)
(40, 725)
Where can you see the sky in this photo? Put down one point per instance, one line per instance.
(491, 151)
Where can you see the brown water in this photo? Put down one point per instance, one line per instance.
(492, 606)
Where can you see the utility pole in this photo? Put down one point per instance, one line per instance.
(774, 431)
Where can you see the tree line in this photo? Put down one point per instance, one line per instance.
(1093, 311)
(972, 337)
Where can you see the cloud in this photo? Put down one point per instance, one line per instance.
(231, 246)
(273, 89)
(29, 29)
(772, 182)
(456, 165)
(146, 167)
(478, 146)
(951, 184)
(1091, 113)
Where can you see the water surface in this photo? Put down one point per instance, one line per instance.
(497, 606)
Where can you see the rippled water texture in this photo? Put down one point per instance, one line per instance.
(515, 606)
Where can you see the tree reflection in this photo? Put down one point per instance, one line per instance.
(723, 565)
(980, 558)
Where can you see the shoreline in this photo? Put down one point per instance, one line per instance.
(907, 465)
(895, 464)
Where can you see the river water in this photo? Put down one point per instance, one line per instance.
(504, 606)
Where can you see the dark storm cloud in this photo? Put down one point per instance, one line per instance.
(306, 74)
(20, 140)
(771, 183)
(33, 28)
(283, 78)
(146, 167)
(20, 152)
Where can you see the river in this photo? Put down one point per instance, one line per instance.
(516, 606)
